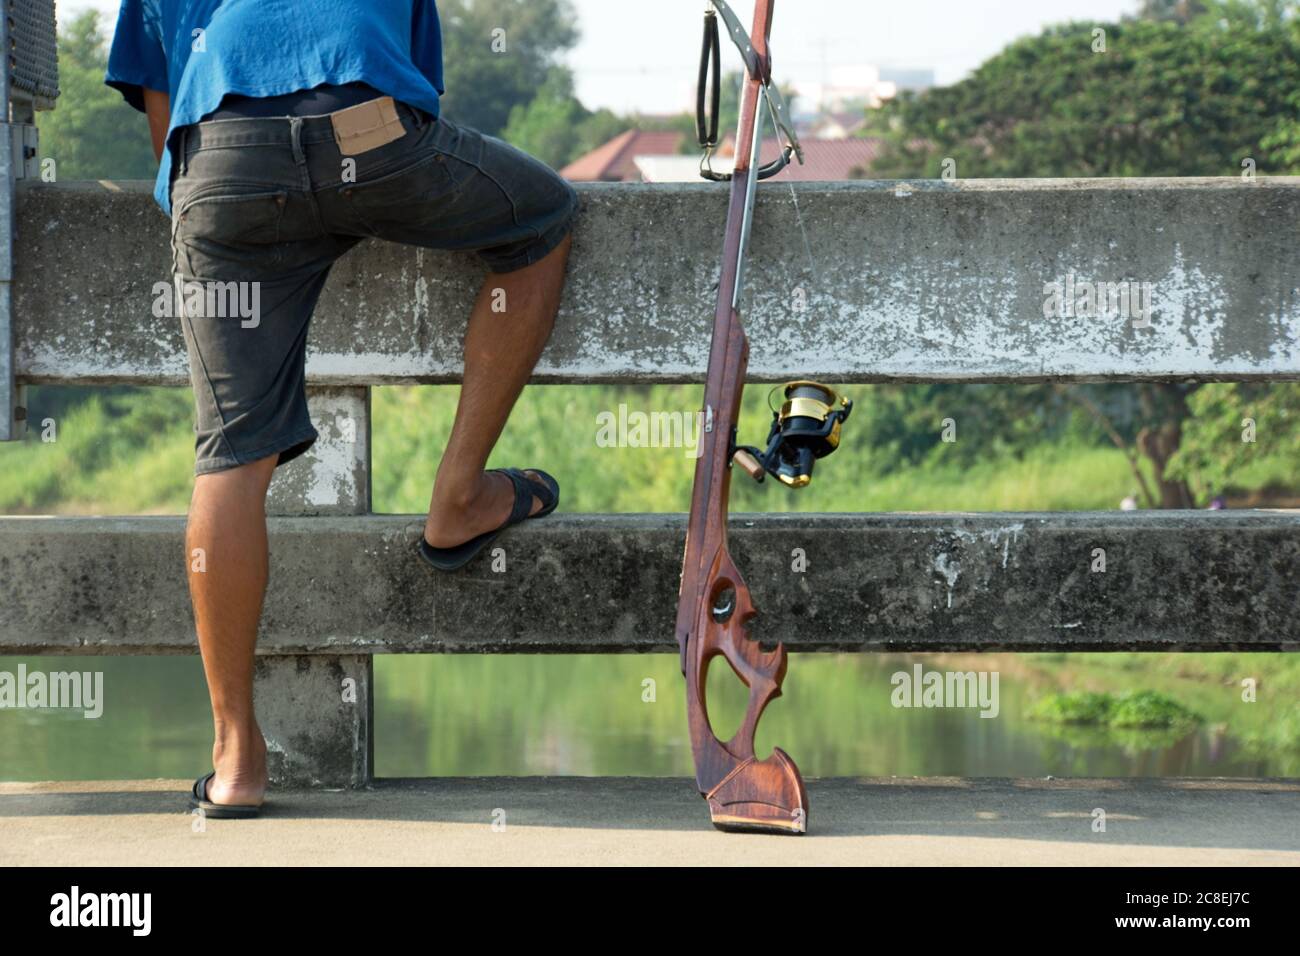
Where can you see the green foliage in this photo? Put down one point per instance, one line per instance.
(1214, 453)
(114, 450)
(1180, 10)
(1083, 707)
(547, 127)
(1284, 141)
(905, 423)
(555, 427)
(127, 450)
(1163, 99)
(484, 84)
(1132, 709)
(1149, 708)
(556, 128)
(92, 133)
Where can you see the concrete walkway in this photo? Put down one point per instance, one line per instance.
(932, 821)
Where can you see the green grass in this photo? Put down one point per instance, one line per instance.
(555, 427)
(130, 451)
(112, 451)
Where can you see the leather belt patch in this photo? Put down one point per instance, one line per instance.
(367, 126)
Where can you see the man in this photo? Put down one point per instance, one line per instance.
(286, 133)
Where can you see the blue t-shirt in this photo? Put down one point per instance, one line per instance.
(200, 50)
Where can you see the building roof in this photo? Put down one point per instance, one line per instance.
(837, 125)
(669, 169)
(615, 161)
(824, 159)
(637, 156)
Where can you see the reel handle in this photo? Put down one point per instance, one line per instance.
(752, 466)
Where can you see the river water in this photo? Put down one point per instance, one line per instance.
(624, 715)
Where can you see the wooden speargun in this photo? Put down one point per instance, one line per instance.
(714, 607)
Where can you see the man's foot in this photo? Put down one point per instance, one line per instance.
(485, 509)
(240, 772)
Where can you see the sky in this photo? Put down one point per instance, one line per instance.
(630, 60)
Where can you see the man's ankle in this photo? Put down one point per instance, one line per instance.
(459, 495)
(238, 738)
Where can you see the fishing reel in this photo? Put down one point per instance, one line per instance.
(806, 427)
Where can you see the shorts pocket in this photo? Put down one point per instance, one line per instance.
(252, 217)
(401, 197)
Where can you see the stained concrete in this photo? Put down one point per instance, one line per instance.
(332, 477)
(1190, 580)
(858, 281)
(317, 716)
(650, 821)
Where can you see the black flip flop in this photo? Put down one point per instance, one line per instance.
(221, 811)
(526, 488)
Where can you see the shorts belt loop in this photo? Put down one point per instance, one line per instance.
(295, 134)
(182, 145)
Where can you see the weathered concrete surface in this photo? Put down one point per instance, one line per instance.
(1187, 580)
(13, 411)
(317, 715)
(921, 281)
(333, 476)
(649, 821)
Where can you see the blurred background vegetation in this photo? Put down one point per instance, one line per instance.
(1186, 88)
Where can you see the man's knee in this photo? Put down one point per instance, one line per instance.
(251, 479)
(561, 250)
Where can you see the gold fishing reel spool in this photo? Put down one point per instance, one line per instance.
(806, 427)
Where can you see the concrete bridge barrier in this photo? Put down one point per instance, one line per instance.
(851, 282)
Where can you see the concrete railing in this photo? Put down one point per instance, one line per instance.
(860, 282)
(933, 281)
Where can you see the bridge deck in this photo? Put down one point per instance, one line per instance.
(650, 821)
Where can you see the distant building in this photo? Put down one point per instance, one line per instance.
(847, 88)
(615, 162)
(669, 169)
(847, 92)
(835, 125)
(907, 79)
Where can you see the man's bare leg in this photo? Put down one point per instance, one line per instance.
(501, 349)
(228, 522)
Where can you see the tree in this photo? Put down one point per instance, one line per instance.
(498, 54)
(1181, 11)
(1284, 141)
(547, 126)
(1233, 425)
(1192, 89)
(1163, 99)
(92, 133)
(556, 128)
(904, 424)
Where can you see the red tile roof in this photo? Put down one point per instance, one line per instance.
(613, 162)
(823, 159)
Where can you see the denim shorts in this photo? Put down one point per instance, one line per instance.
(262, 203)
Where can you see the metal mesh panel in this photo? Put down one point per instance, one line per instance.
(33, 56)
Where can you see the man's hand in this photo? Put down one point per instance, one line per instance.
(158, 107)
